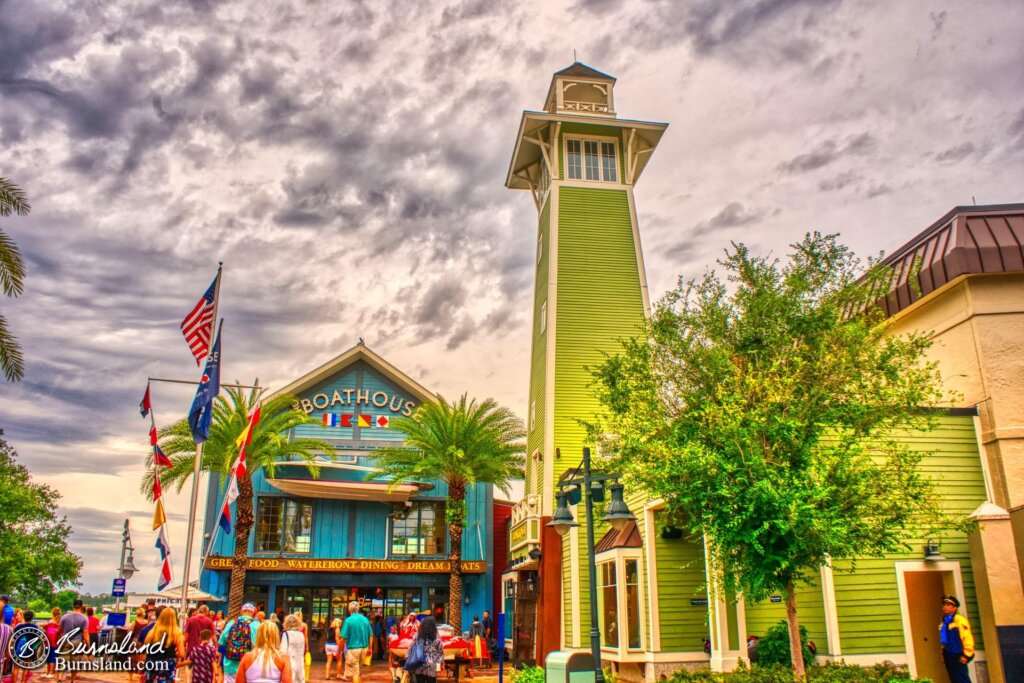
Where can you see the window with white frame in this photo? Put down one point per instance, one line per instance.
(540, 247)
(618, 600)
(591, 160)
(533, 414)
(543, 317)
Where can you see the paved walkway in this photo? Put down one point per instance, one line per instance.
(378, 673)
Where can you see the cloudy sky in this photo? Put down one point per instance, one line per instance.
(346, 161)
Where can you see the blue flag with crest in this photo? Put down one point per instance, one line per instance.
(201, 414)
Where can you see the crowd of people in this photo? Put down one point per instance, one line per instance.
(250, 648)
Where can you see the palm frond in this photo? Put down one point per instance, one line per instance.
(12, 199)
(12, 267)
(12, 362)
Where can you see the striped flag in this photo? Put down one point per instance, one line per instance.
(159, 457)
(231, 495)
(197, 327)
(144, 405)
(165, 556)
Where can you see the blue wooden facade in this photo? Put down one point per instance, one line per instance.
(347, 514)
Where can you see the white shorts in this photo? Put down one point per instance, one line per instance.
(330, 649)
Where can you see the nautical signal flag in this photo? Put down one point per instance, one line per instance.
(159, 457)
(165, 556)
(144, 405)
(197, 327)
(157, 489)
(200, 415)
(352, 420)
(159, 518)
(231, 495)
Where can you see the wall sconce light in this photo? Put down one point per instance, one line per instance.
(932, 552)
(534, 554)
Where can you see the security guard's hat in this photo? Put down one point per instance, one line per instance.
(951, 600)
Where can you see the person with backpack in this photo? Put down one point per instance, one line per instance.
(238, 638)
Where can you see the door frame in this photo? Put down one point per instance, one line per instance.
(907, 566)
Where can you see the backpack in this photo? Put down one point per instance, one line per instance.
(239, 640)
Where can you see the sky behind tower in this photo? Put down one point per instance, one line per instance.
(346, 161)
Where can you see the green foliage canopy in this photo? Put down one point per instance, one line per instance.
(764, 410)
(35, 561)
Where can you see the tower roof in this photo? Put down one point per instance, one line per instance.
(581, 69)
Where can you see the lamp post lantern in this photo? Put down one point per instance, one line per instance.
(126, 569)
(617, 515)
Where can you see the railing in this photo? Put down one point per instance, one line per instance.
(576, 105)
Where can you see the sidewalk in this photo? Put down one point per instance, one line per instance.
(378, 673)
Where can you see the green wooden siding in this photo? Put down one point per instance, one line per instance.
(810, 607)
(867, 600)
(680, 579)
(538, 363)
(598, 304)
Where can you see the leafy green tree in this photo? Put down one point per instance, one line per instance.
(12, 278)
(270, 446)
(35, 561)
(763, 409)
(460, 443)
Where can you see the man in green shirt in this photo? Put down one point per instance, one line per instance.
(355, 635)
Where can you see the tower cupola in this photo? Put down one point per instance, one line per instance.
(580, 89)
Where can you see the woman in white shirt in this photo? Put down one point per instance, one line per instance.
(265, 663)
(293, 645)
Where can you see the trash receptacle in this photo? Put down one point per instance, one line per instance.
(569, 667)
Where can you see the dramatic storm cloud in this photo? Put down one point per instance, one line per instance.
(346, 161)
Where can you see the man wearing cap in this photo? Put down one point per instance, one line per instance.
(231, 665)
(956, 639)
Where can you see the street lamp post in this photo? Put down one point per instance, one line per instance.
(126, 568)
(617, 515)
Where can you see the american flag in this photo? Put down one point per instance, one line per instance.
(198, 325)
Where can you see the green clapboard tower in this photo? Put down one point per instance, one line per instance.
(580, 162)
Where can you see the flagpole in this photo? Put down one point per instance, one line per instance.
(193, 504)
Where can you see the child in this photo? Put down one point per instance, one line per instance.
(205, 659)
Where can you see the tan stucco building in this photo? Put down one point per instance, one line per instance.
(962, 281)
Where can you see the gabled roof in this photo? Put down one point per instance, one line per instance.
(584, 71)
(353, 355)
(629, 537)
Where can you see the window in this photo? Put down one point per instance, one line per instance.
(608, 605)
(591, 160)
(543, 317)
(533, 414)
(618, 600)
(283, 525)
(633, 604)
(540, 247)
(420, 529)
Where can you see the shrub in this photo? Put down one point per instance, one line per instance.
(779, 673)
(773, 647)
(528, 674)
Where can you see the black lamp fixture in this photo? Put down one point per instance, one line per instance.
(561, 519)
(932, 552)
(534, 554)
(618, 514)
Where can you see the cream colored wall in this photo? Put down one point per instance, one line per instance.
(977, 326)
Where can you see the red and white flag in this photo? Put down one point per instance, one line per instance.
(231, 495)
(197, 327)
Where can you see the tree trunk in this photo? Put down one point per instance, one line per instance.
(795, 646)
(457, 496)
(240, 560)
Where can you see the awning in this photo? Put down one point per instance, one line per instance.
(194, 595)
(349, 490)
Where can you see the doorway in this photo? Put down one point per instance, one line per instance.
(921, 587)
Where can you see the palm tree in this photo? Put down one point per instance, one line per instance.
(459, 443)
(270, 446)
(12, 277)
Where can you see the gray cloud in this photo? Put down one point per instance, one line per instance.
(827, 152)
(956, 153)
(732, 215)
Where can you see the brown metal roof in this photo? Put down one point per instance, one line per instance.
(968, 240)
(629, 537)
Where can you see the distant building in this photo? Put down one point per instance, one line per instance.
(319, 543)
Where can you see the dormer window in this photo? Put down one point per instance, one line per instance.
(591, 160)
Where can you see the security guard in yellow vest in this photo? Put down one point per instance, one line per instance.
(957, 640)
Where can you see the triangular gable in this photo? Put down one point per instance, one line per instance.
(348, 358)
(582, 70)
